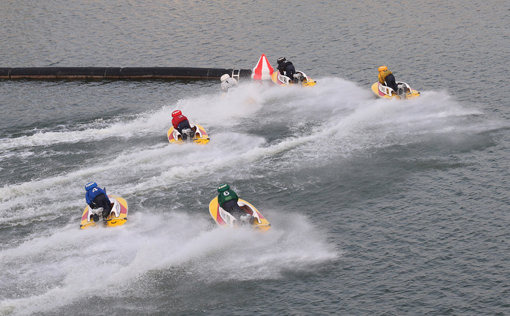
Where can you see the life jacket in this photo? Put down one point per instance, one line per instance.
(382, 76)
(226, 196)
(286, 67)
(93, 193)
(178, 119)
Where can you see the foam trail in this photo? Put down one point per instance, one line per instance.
(255, 131)
(322, 117)
(70, 265)
(204, 109)
(150, 168)
(93, 132)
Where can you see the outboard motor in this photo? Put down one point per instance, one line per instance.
(401, 91)
(187, 135)
(298, 77)
(247, 219)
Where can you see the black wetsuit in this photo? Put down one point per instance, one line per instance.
(183, 125)
(102, 201)
(234, 209)
(390, 82)
(287, 68)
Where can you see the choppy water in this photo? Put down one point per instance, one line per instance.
(377, 207)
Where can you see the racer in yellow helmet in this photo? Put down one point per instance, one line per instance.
(386, 78)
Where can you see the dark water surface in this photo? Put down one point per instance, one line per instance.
(377, 207)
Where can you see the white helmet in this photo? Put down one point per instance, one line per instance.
(224, 77)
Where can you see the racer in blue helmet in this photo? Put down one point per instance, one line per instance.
(96, 198)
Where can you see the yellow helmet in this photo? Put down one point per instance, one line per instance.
(382, 68)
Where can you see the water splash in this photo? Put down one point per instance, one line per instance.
(69, 265)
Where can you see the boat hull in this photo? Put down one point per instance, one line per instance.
(223, 218)
(117, 217)
(384, 92)
(283, 80)
(201, 136)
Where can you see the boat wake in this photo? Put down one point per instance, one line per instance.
(257, 132)
(68, 265)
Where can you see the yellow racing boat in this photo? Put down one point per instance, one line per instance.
(197, 135)
(404, 91)
(224, 218)
(117, 217)
(302, 79)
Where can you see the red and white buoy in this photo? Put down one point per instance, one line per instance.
(262, 70)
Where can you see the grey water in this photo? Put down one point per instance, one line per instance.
(377, 207)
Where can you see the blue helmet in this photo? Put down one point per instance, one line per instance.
(89, 186)
(223, 187)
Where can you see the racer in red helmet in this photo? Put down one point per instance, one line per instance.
(180, 122)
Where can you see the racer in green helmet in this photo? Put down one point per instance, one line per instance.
(227, 199)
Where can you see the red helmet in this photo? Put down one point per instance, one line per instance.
(176, 113)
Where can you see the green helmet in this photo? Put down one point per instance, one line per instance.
(223, 187)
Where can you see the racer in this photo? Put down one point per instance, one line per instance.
(227, 82)
(286, 68)
(96, 198)
(227, 199)
(386, 78)
(180, 123)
